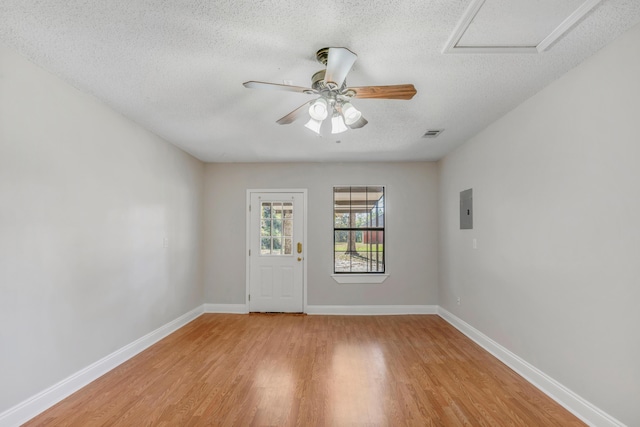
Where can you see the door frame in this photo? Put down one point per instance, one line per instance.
(303, 191)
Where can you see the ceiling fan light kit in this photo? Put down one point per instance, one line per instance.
(334, 96)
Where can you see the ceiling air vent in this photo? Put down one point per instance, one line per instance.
(432, 133)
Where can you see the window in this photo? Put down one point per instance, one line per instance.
(358, 229)
(276, 228)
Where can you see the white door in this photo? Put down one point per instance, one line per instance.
(276, 255)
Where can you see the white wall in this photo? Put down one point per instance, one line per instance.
(556, 186)
(86, 199)
(410, 240)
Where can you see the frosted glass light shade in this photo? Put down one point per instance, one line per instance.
(319, 110)
(337, 124)
(350, 113)
(314, 125)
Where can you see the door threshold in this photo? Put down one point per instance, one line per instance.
(272, 313)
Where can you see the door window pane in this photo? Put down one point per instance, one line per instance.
(265, 212)
(287, 209)
(265, 245)
(265, 227)
(276, 228)
(277, 210)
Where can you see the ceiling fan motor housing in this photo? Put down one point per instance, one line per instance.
(317, 80)
(322, 55)
(318, 83)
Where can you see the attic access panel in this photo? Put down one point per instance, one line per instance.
(507, 26)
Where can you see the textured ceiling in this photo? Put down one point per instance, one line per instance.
(177, 68)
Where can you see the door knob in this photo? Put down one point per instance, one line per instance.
(299, 259)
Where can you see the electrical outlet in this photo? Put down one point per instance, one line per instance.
(458, 301)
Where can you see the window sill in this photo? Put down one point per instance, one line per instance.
(359, 278)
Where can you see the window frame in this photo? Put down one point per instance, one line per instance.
(360, 276)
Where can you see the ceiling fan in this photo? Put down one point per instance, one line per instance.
(334, 95)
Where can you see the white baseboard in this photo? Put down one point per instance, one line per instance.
(587, 412)
(226, 308)
(35, 405)
(372, 309)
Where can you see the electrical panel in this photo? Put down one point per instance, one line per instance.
(466, 209)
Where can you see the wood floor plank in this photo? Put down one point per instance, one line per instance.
(284, 370)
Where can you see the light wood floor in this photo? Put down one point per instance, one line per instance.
(284, 370)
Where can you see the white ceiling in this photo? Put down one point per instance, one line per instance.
(177, 66)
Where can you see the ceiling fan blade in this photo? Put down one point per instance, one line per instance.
(276, 86)
(359, 123)
(295, 114)
(385, 92)
(339, 63)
